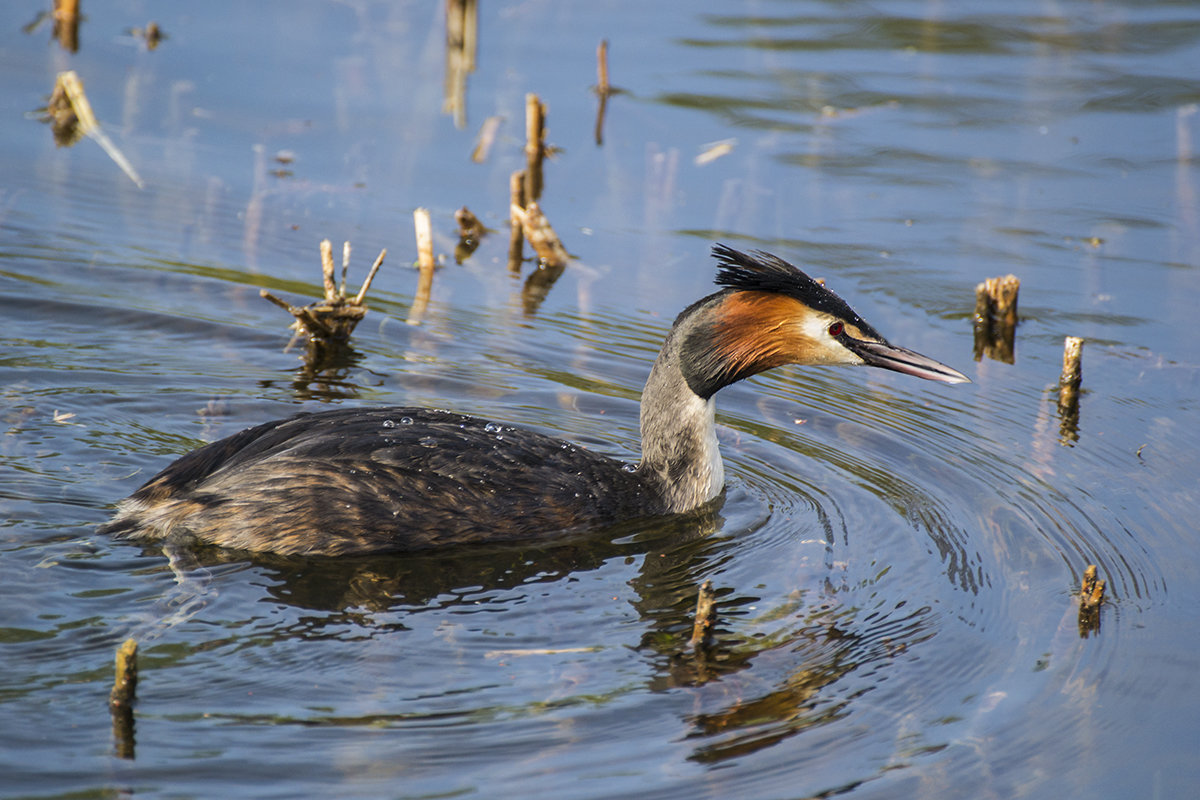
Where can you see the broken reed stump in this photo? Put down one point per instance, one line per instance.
(996, 318)
(1091, 597)
(535, 146)
(462, 35)
(1072, 373)
(333, 319)
(706, 618)
(70, 116)
(470, 234)
(125, 684)
(152, 35)
(60, 112)
(552, 256)
(66, 24)
(121, 697)
(469, 226)
(516, 241)
(1068, 389)
(603, 89)
(526, 217)
(602, 85)
(425, 264)
(1091, 588)
(536, 229)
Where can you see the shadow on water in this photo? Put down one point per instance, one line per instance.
(326, 373)
(752, 690)
(749, 713)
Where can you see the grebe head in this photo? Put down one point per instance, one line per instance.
(769, 314)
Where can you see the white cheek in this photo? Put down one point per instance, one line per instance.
(816, 328)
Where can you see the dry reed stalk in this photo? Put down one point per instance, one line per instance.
(71, 117)
(706, 618)
(516, 241)
(603, 89)
(121, 697)
(1068, 390)
(1091, 597)
(1072, 373)
(470, 234)
(462, 33)
(334, 318)
(125, 683)
(425, 265)
(535, 146)
(541, 236)
(996, 318)
(66, 24)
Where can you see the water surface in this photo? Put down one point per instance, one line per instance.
(896, 561)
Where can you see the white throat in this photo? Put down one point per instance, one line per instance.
(680, 451)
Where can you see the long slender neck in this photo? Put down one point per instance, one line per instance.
(680, 454)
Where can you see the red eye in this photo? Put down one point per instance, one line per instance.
(835, 330)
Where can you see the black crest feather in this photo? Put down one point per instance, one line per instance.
(762, 272)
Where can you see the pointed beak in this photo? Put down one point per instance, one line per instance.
(881, 354)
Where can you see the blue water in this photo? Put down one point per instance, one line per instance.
(896, 562)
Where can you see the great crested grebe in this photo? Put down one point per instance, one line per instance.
(355, 480)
